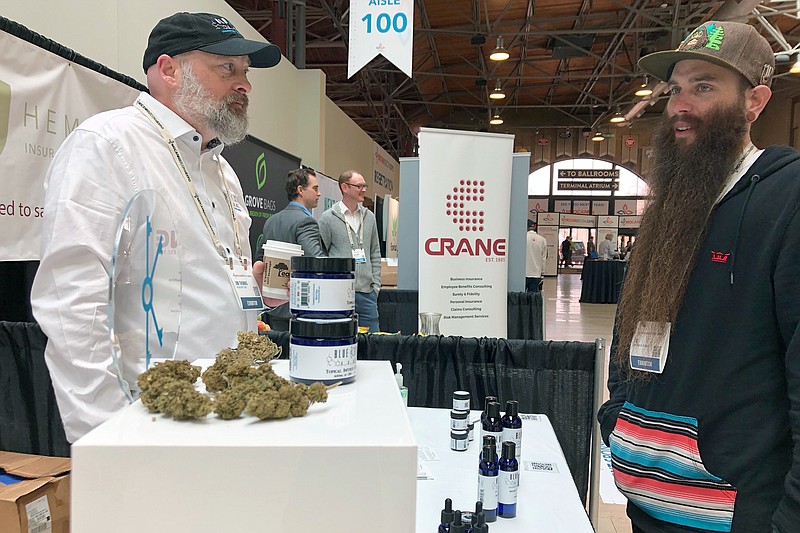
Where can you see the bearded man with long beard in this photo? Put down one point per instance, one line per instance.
(703, 419)
(170, 141)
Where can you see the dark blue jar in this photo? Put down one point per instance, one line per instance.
(323, 350)
(323, 287)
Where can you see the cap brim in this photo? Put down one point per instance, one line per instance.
(262, 55)
(659, 64)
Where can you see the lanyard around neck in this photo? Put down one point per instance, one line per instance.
(176, 156)
(349, 229)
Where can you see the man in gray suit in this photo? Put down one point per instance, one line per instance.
(296, 225)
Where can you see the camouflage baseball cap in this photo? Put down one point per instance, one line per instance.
(734, 45)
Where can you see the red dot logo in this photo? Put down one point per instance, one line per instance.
(467, 195)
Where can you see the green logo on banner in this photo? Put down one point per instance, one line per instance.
(261, 170)
(394, 227)
(5, 108)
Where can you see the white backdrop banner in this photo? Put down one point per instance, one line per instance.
(563, 206)
(550, 233)
(330, 194)
(43, 97)
(577, 221)
(465, 188)
(391, 225)
(547, 219)
(633, 221)
(385, 171)
(609, 221)
(382, 27)
(582, 207)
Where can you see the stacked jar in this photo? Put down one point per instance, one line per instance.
(323, 341)
(459, 421)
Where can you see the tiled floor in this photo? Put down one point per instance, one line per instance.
(568, 319)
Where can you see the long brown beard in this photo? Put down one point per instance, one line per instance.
(684, 185)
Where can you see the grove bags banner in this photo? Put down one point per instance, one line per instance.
(43, 97)
(465, 187)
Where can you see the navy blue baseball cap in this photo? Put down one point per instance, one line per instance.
(186, 32)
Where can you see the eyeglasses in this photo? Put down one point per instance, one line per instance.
(359, 187)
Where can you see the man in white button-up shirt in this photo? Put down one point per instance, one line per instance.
(196, 67)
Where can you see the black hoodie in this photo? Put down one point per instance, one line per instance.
(707, 444)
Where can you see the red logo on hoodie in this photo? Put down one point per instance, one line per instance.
(719, 257)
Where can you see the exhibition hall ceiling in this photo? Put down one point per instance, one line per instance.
(572, 63)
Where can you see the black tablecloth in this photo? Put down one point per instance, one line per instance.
(602, 281)
(29, 417)
(398, 310)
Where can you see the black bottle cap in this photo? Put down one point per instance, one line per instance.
(319, 328)
(512, 408)
(488, 454)
(494, 410)
(489, 440)
(304, 263)
(447, 512)
(457, 526)
(488, 400)
(509, 450)
(480, 525)
(478, 510)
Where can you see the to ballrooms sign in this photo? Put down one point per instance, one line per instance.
(588, 180)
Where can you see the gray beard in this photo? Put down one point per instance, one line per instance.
(198, 105)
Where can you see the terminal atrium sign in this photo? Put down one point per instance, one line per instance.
(588, 179)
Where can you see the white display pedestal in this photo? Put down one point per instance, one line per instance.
(348, 466)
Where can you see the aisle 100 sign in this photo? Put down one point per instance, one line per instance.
(381, 27)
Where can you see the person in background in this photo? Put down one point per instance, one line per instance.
(535, 258)
(703, 419)
(348, 229)
(169, 141)
(566, 251)
(606, 248)
(293, 224)
(591, 249)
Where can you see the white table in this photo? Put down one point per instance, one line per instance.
(547, 498)
(348, 466)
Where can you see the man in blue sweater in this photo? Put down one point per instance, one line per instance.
(703, 419)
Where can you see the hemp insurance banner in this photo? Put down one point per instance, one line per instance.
(464, 200)
(43, 97)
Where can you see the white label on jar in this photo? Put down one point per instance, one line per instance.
(460, 405)
(509, 484)
(458, 445)
(458, 423)
(322, 362)
(487, 491)
(322, 294)
(515, 436)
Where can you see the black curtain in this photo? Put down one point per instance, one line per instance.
(29, 418)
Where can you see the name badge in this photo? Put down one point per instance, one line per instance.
(359, 255)
(649, 346)
(244, 284)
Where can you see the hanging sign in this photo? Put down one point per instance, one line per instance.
(632, 221)
(382, 27)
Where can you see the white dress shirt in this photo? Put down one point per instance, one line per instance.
(536, 255)
(98, 169)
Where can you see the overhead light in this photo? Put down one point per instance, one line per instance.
(617, 118)
(496, 120)
(598, 137)
(644, 89)
(796, 67)
(500, 53)
(497, 93)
